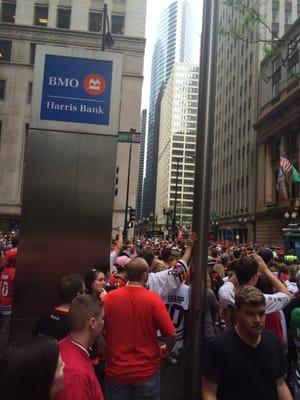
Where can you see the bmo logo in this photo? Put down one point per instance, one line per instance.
(63, 82)
(93, 84)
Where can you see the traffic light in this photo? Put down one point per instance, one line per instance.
(131, 214)
(117, 181)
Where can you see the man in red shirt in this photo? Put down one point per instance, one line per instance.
(85, 323)
(133, 315)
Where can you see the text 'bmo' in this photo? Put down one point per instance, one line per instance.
(63, 82)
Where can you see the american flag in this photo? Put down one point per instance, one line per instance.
(285, 165)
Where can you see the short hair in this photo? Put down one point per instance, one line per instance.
(245, 269)
(91, 276)
(147, 255)
(249, 295)
(136, 268)
(27, 369)
(166, 254)
(293, 272)
(82, 309)
(69, 287)
(237, 253)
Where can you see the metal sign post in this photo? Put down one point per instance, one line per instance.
(203, 169)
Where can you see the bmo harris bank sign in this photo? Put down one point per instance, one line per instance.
(76, 90)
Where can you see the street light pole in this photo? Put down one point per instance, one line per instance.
(175, 199)
(128, 184)
(104, 19)
(203, 169)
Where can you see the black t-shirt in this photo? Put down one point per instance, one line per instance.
(54, 325)
(242, 371)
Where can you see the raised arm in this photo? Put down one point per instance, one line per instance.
(264, 270)
(119, 243)
(189, 243)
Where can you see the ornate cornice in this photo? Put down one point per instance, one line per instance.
(51, 36)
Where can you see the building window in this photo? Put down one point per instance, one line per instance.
(8, 11)
(29, 92)
(5, 50)
(293, 54)
(276, 76)
(95, 21)
(32, 53)
(40, 15)
(2, 89)
(63, 18)
(117, 24)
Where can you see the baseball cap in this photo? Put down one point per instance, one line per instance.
(122, 261)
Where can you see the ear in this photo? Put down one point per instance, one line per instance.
(92, 323)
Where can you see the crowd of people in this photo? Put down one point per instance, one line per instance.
(110, 329)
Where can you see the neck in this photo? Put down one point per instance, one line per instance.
(82, 338)
(64, 307)
(234, 280)
(251, 340)
(136, 283)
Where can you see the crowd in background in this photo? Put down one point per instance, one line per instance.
(123, 357)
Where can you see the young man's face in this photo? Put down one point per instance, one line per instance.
(251, 319)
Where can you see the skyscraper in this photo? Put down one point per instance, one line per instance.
(236, 110)
(177, 144)
(174, 43)
(139, 195)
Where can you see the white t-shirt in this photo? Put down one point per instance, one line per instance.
(177, 302)
(274, 302)
(292, 287)
(165, 281)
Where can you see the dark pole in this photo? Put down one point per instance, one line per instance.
(127, 193)
(175, 200)
(203, 169)
(104, 19)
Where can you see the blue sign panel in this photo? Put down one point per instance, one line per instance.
(76, 90)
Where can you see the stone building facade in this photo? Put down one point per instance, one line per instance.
(72, 23)
(278, 133)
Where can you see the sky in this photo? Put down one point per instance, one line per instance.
(154, 9)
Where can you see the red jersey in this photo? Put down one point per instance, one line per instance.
(80, 381)
(7, 282)
(116, 279)
(132, 317)
(273, 323)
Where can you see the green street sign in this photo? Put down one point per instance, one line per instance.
(129, 137)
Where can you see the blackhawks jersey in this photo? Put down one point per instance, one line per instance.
(177, 303)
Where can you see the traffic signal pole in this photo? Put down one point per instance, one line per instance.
(127, 192)
(203, 172)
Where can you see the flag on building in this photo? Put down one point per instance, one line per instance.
(280, 178)
(281, 185)
(295, 175)
(285, 164)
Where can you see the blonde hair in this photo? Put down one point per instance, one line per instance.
(249, 295)
(293, 272)
(158, 265)
(220, 269)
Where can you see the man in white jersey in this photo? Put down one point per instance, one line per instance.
(246, 273)
(169, 280)
(177, 303)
